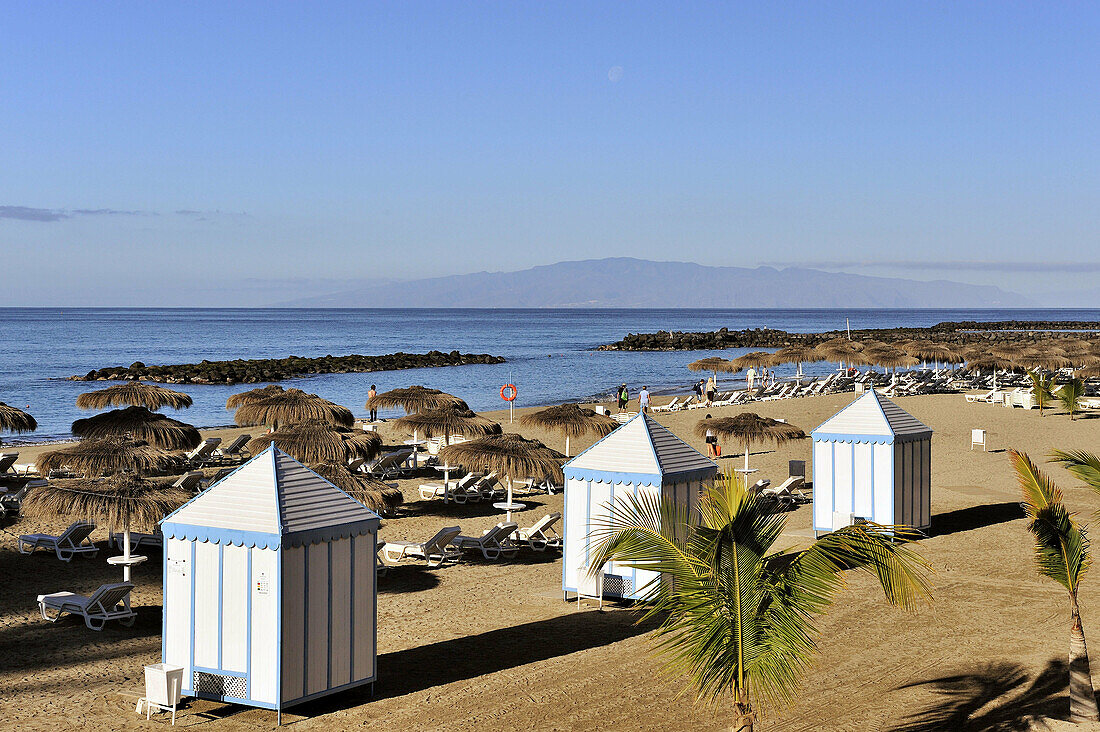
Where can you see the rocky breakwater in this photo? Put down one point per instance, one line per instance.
(968, 333)
(253, 371)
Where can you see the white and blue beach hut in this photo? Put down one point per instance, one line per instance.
(642, 456)
(269, 587)
(873, 461)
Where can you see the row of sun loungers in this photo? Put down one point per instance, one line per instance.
(505, 539)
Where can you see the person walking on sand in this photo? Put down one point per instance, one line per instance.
(698, 388)
(370, 395)
(623, 396)
(751, 376)
(643, 400)
(712, 390)
(711, 440)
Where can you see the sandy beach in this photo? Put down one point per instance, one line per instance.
(492, 646)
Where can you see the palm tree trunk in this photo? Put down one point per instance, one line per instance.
(1082, 698)
(745, 716)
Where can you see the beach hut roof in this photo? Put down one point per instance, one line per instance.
(270, 501)
(871, 418)
(642, 452)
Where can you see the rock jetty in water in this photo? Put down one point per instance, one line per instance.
(967, 333)
(254, 371)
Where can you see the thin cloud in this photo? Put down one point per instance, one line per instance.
(28, 213)
(948, 265)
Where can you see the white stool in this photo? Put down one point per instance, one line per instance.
(163, 684)
(977, 437)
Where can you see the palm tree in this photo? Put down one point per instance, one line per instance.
(1042, 388)
(736, 616)
(1070, 395)
(1062, 554)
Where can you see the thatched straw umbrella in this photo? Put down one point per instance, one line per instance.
(291, 406)
(450, 419)
(797, 354)
(935, 352)
(106, 456)
(755, 360)
(749, 429)
(123, 501)
(16, 420)
(252, 395)
(840, 350)
(413, 399)
(140, 424)
(509, 455)
(571, 421)
(134, 394)
(714, 364)
(1035, 359)
(888, 357)
(376, 495)
(318, 441)
(979, 362)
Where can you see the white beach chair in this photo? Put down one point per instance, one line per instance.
(670, 407)
(203, 452)
(137, 540)
(388, 464)
(492, 544)
(541, 535)
(488, 486)
(983, 397)
(222, 473)
(109, 602)
(623, 417)
(72, 541)
(7, 460)
(977, 437)
(453, 491)
(434, 551)
(235, 449)
(788, 492)
(11, 502)
(189, 481)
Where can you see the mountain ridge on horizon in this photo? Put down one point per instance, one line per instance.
(627, 282)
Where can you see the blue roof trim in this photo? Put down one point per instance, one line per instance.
(264, 540)
(607, 476)
(214, 535)
(846, 437)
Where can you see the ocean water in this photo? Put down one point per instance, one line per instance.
(551, 353)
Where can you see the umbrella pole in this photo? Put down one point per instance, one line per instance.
(126, 550)
(567, 445)
(508, 513)
(747, 463)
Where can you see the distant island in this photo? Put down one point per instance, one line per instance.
(257, 370)
(625, 282)
(965, 333)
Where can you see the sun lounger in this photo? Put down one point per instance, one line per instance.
(109, 602)
(189, 481)
(454, 490)
(670, 407)
(985, 397)
(388, 464)
(788, 493)
(623, 417)
(11, 502)
(541, 534)
(137, 540)
(492, 544)
(74, 540)
(235, 449)
(7, 460)
(203, 453)
(356, 463)
(434, 551)
(488, 486)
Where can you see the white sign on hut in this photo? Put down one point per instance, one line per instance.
(640, 457)
(269, 587)
(873, 461)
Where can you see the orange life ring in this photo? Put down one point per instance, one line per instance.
(505, 388)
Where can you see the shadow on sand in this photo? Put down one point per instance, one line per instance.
(974, 517)
(996, 697)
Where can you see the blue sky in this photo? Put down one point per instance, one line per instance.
(237, 153)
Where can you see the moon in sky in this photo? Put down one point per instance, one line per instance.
(615, 73)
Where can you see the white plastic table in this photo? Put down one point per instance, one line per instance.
(416, 450)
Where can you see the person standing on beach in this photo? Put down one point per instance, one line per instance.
(698, 389)
(712, 390)
(370, 395)
(623, 397)
(643, 400)
(751, 376)
(712, 441)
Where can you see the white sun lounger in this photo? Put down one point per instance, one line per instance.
(670, 407)
(204, 451)
(189, 481)
(456, 491)
(235, 449)
(492, 544)
(787, 493)
(70, 543)
(986, 397)
(388, 464)
(541, 534)
(138, 540)
(109, 602)
(434, 551)
(11, 502)
(7, 460)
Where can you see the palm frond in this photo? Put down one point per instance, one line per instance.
(1061, 545)
(1085, 466)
